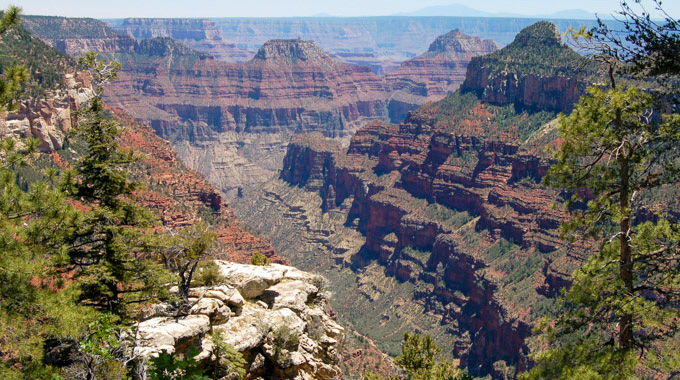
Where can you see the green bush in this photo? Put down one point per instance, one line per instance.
(285, 338)
(259, 259)
(209, 274)
(230, 363)
(169, 367)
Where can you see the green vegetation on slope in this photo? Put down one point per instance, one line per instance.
(537, 50)
(56, 27)
(463, 112)
(45, 65)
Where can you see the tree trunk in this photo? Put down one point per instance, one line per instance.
(626, 261)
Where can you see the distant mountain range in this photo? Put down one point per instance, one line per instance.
(459, 10)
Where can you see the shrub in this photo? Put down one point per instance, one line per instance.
(285, 338)
(259, 259)
(209, 274)
(230, 363)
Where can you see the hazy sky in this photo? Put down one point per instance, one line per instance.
(287, 8)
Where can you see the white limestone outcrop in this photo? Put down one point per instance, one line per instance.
(275, 315)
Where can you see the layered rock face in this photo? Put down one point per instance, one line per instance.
(440, 70)
(232, 121)
(450, 220)
(274, 315)
(201, 35)
(50, 118)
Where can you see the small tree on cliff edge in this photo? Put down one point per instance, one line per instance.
(621, 316)
(111, 269)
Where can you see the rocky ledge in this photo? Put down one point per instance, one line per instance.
(274, 315)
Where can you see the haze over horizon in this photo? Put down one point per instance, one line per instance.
(308, 8)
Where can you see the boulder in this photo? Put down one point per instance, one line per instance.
(289, 294)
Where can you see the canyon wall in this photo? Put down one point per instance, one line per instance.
(525, 73)
(443, 215)
(77, 36)
(232, 122)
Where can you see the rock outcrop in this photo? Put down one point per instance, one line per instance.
(440, 70)
(201, 35)
(274, 315)
(51, 117)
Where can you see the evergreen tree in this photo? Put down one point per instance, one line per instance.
(420, 360)
(13, 76)
(619, 158)
(35, 303)
(112, 269)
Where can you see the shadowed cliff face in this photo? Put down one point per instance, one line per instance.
(448, 215)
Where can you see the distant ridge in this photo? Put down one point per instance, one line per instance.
(459, 10)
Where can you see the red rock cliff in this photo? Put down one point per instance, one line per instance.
(451, 201)
(438, 71)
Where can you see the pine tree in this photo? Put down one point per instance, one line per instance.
(112, 269)
(35, 303)
(619, 158)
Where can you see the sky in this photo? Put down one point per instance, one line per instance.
(292, 8)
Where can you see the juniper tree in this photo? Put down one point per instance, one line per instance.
(181, 251)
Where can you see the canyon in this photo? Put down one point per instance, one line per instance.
(382, 43)
(232, 122)
(438, 224)
(178, 195)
